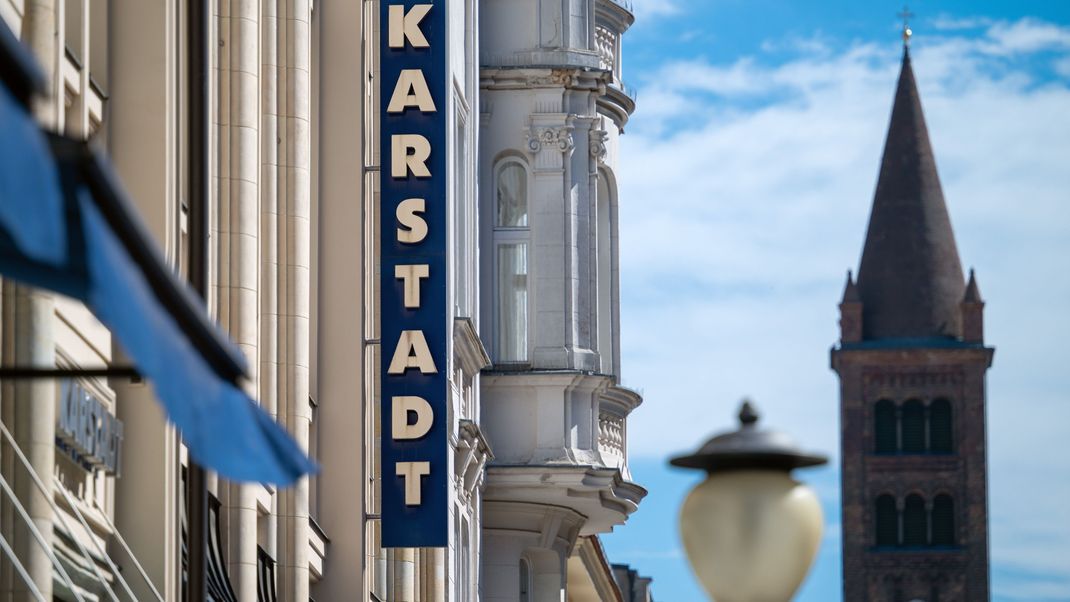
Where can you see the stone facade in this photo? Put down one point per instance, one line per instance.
(294, 276)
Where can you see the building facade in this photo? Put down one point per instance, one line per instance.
(911, 362)
(532, 103)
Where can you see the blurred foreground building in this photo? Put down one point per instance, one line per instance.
(535, 463)
(912, 363)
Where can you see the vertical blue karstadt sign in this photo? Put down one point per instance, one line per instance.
(413, 256)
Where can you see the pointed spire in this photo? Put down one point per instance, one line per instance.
(910, 279)
(973, 294)
(850, 290)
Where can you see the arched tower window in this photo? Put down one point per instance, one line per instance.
(511, 242)
(943, 521)
(913, 427)
(884, 428)
(887, 521)
(525, 580)
(940, 441)
(915, 523)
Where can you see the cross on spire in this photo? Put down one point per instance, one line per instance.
(906, 15)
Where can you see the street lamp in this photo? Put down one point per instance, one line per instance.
(750, 530)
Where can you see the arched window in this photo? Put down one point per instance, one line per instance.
(884, 428)
(512, 196)
(913, 427)
(915, 525)
(525, 580)
(943, 521)
(887, 521)
(605, 264)
(511, 239)
(940, 441)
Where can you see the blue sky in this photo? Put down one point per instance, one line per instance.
(747, 175)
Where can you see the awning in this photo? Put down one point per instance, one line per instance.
(67, 225)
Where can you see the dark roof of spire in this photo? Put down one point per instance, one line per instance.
(910, 279)
(973, 294)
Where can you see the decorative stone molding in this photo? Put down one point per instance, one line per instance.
(550, 137)
(598, 145)
(472, 454)
(591, 80)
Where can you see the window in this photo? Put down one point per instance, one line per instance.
(512, 196)
(604, 265)
(525, 581)
(940, 441)
(511, 236)
(915, 525)
(943, 521)
(885, 427)
(466, 563)
(887, 521)
(913, 427)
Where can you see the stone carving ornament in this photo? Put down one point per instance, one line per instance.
(550, 137)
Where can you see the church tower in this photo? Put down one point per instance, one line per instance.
(911, 362)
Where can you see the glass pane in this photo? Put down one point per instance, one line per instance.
(512, 197)
(887, 521)
(940, 426)
(884, 427)
(914, 526)
(512, 302)
(913, 427)
(525, 579)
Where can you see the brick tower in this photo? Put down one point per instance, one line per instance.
(912, 363)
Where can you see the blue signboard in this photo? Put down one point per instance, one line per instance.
(413, 255)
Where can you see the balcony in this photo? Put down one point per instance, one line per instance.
(560, 438)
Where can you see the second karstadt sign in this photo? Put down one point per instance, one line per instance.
(413, 254)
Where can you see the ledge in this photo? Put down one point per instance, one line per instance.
(601, 495)
(913, 462)
(546, 58)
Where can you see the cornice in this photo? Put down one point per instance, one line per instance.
(619, 400)
(616, 14)
(590, 552)
(590, 79)
(468, 347)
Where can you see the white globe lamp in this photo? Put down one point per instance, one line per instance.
(750, 530)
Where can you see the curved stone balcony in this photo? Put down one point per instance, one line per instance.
(560, 438)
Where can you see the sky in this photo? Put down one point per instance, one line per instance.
(746, 178)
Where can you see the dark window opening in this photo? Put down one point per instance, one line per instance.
(913, 427)
(914, 522)
(887, 521)
(943, 521)
(884, 428)
(940, 441)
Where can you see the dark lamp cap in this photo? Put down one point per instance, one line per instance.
(749, 448)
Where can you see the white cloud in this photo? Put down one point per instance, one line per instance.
(949, 23)
(1028, 35)
(653, 8)
(746, 191)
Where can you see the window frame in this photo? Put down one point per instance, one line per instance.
(510, 235)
